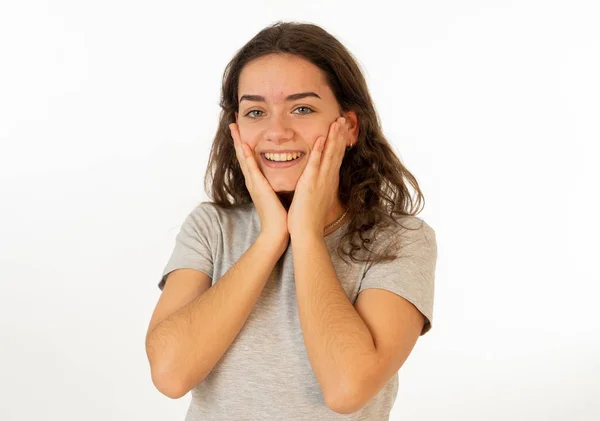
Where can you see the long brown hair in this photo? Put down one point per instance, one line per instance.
(372, 178)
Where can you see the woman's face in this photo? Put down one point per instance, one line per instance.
(269, 121)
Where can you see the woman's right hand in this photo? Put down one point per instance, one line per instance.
(272, 214)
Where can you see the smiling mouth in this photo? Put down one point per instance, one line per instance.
(294, 155)
(281, 164)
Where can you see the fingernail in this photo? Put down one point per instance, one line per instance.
(342, 120)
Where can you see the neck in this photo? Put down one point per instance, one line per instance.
(286, 199)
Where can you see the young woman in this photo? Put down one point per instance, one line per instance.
(300, 290)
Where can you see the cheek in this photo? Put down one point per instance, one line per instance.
(249, 136)
(311, 133)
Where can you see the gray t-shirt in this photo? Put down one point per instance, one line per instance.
(265, 374)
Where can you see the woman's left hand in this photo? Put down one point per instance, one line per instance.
(317, 186)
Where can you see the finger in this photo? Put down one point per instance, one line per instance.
(239, 148)
(250, 160)
(251, 167)
(242, 155)
(331, 145)
(338, 153)
(236, 143)
(312, 167)
(342, 145)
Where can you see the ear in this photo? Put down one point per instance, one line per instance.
(352, 123)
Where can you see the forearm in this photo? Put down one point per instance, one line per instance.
(191, 341)
(338, 342)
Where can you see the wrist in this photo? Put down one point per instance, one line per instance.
(307, 235)
(278, 242)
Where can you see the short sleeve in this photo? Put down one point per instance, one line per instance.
(411, 275)
(192, 244)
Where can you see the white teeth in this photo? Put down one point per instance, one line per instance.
(282, 157)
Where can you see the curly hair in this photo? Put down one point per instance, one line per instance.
(371, 181)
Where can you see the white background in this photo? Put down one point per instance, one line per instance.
(107, 114)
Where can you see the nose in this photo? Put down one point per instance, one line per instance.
(278, 130)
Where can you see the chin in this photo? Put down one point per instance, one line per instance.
(284, 191)
(283, 187)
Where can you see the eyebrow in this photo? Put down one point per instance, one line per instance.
(291, 97)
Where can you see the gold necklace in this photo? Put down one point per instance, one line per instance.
(336, 222)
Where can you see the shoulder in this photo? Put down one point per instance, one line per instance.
(215, 217)
(413, 226)
(408, 226)
(407, 231)
(220, 212)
